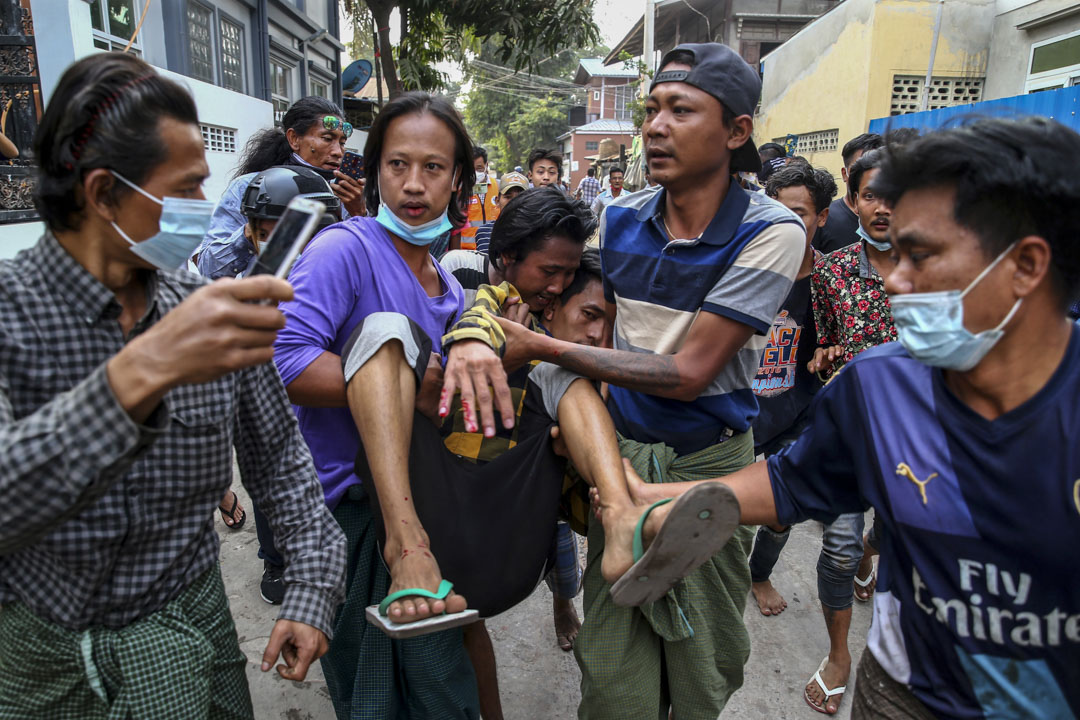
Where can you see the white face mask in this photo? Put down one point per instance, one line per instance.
(880, 245)
(481, 178)
(931, 326)
(181, 228)
(423, 234)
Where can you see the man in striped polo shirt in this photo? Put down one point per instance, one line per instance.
(694, 274)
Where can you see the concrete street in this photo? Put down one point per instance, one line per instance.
(537, 680)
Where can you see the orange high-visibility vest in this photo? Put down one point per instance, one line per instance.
(479, 213)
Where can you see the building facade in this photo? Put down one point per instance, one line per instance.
(245, 62)
(867, 59)
(754, 28)
(865, 63)
(581, 146)
(610, 89)
(1035, 47)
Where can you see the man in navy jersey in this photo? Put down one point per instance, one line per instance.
(962, 435)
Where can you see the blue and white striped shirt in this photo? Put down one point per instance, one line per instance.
(741, 267)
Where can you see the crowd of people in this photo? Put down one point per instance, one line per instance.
(464, 373)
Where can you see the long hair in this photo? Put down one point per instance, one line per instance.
(418, 103)
(269, 148)
(104, 113)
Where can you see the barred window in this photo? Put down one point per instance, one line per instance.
(232, 55)
(814, 142)
(219, 139)
(200, 41)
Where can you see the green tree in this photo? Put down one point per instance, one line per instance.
(510, 113)
(434, 31)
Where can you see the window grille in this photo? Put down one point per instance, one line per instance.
(219, 139)
(944, 92)
(814, 142)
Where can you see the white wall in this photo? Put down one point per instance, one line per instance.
(62, 34)
(225, 108)
(18, 236)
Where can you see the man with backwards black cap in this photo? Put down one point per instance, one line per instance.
(693, 275)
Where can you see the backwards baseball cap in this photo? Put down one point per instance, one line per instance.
(512, 180)
(719, 71)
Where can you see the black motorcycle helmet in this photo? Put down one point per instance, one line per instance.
(270, 191)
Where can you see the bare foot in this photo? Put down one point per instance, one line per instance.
(770, 602)
(567, 624)
(619, 527)
(834, 675)
(621, 522)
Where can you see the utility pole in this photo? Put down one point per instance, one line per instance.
(647, 48)
(924, 101)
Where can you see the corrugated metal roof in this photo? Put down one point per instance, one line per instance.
(607, 125)
(595, 67)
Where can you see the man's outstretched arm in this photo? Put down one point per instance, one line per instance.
(752, 487)
(712, 342)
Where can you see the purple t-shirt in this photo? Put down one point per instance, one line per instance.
(349, 271)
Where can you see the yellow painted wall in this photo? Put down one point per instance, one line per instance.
(838, 71)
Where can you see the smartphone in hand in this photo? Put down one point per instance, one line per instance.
(288, 238)
(352, 165)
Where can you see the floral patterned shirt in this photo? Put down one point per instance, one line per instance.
(851, 308)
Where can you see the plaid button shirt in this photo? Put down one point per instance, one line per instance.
(103, 521)
(589, 187)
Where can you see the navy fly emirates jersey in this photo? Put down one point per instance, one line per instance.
(977, 606)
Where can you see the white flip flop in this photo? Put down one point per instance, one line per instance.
(866, 583)
(821, 684)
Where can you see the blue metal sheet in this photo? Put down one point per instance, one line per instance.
(1062, 105)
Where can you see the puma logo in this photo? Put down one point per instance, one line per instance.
(905, 470)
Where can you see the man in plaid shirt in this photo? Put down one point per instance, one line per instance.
(125, 386)
(588, 188)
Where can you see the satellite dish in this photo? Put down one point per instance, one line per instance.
(356, 75)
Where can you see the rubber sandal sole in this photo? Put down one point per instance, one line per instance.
(376, 614)
(700, 523)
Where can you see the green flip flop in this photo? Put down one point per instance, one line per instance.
(444, 589)
(699, 525)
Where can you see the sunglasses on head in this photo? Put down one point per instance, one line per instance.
(332, 122)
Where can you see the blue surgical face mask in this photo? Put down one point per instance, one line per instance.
(880, 245)
(421, 235)
(183, 224)
(931, 326)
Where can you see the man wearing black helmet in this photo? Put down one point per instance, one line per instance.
(263, 204)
